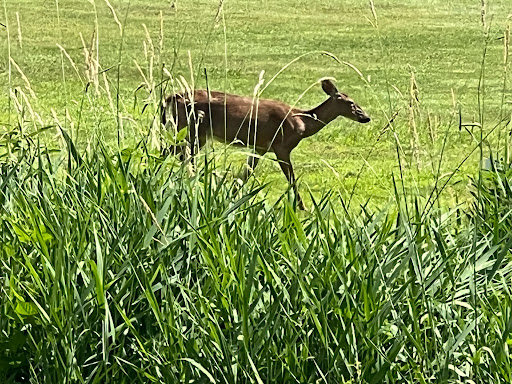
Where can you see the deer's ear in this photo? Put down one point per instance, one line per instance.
(329, 88)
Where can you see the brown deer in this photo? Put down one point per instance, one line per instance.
(262, 125)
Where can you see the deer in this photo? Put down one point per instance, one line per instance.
(262, 125)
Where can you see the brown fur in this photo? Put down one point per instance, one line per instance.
(264, 125)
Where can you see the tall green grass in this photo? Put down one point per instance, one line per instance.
(120, 267)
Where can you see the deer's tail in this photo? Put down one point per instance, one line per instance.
(169, 109)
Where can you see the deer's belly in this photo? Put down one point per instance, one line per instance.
(244, 137)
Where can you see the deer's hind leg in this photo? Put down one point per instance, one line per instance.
(197, 133)
(174, 117)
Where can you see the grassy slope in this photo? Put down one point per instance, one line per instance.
(441, 41)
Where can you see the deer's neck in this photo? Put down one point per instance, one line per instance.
(317, 118)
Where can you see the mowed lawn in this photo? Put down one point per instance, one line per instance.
(421, 60)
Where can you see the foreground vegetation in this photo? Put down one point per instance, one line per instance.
(119, 265)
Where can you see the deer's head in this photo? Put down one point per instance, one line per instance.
(344, 105)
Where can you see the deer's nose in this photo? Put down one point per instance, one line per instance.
(365, 119)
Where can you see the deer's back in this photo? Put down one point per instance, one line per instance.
(233, 118)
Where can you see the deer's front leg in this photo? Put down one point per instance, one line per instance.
(286, 166)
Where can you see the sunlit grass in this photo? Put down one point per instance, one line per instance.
(120, 265)
(440, 43)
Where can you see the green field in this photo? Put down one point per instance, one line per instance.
(441, 44)
(118, 265)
